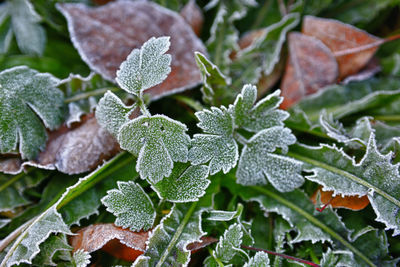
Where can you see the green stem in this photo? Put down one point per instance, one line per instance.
(240, 138)
(177, 235)
(195, 105)
(345, 174)
(387, 118)
(86, 95)
(12, 180)
(314, 221)
(307, 131)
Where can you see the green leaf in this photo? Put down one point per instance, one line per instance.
(215, 83)
(259, 260)
(229, 244)
(49, 248)
(374, 176)
(26, 96)
(185, 184)
(131, 205)
(111, 113)
(145, 67)
(257, 163)
(217, 145)
(158, 142)
(31, 37)
(81, 258)
(264, 114)
(167, 242)
(5, 28)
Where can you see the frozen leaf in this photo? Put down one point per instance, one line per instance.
(229, 244)
(373, 67)
(80, 149)
(158, 142)
(215, 83)
(112, 113)
(145, 67)
(186, 183)
(49, 248)
(259, 260)
(28, 100)
(121, 243)
(81, 258)
(374, 176)
(216, 145)
(348, 202)
(5, 29)
(264, 114)
(131, 205)
(223, 215)
(193, 15)
(311, 65)
(343, 40)
(167, 244)
(31, 37)
(257, 163)
(103, 47)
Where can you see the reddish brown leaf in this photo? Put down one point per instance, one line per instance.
(120, 243)
(352, 47)
(105, 35)
(310, 66)
(193, 15)
(367, 72)
(348, 202)
(205, 241)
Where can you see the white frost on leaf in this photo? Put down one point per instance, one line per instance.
(158, 141)
(257, 164)
(186, 183)
(259, 260)
(145, 67)
(229, 244)
(216, 145)
(131, 205)
(81, 258)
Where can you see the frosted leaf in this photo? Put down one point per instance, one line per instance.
(223, 215)
(217, 145)
(259, 260)
(31, 37)
(167, 244)
(229, 244)
(6, 33)
(26, 247)
(131, 205)
(264, 114)
(257, 164)
(346, 177)
(338, 258)
(111, 113)
(158, 141)
(28, 100)
(81, 258)
(49, 248)
(186, 183)
(145, 67)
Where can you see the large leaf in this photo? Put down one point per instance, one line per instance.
(158, 142)
(374, 176)
(28, 100)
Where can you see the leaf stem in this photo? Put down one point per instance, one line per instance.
(387, 118)
(177, 234)
(282, 255)
(316, 222)
(96, 92)
(13, 180)
(240, 138)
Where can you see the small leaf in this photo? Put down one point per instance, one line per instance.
(131, 205)
(310, 66)
(49, 248)
(146, 67)
(264, 114)
(257, 164)
(81, 258)
(158, 142)
(229, 244)
(217, 145)
(185, 184)
(26, 96)
(259, 260)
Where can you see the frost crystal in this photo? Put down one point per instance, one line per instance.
(259, 260)
(131, 205)
(158, 141)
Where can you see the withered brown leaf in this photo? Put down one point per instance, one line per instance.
(352, 47)
(310, 66)
(348, 202)
(193, 15)
(105, 35)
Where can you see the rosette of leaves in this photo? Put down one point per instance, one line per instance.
(262, 156)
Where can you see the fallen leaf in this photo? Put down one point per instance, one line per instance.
(352, 47)
(120, 243)
(367, 72)
(348, 202)
(193, 15)
(205, 241)
(310, 66)
(105, 35)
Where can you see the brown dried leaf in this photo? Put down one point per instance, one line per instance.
(105, 35)
(367, 72)
(205, 241)
(193, 15)
(310, 66)
(352, 47)
(348, 202)
(120, 243)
